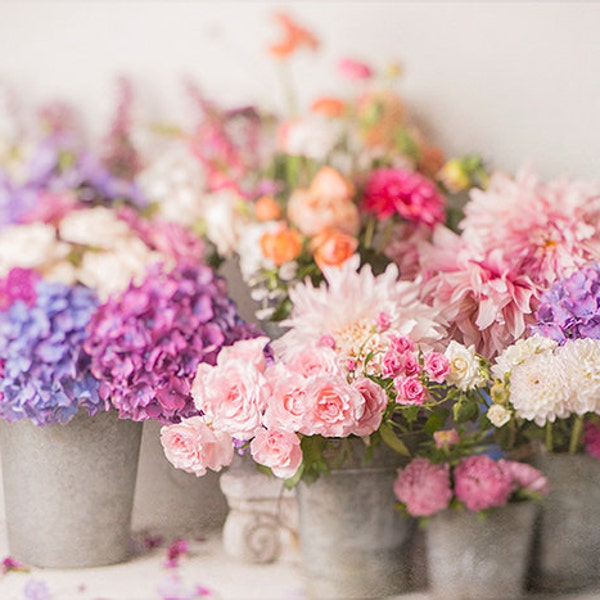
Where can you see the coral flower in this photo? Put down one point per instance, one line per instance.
(267, 209)
(282, 245)
(332, 248)
(328, 106)
(294, 37)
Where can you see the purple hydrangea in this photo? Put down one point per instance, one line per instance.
(45, 374)
(146, 344)
(570, 309)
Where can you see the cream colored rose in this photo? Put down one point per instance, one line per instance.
(314, 137)
(498, 415)
(97, 227)
(224, 219)
(464, 366)
(30, 246)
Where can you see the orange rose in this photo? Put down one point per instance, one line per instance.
(282, 245)
(267, 209)
(333, 247)
(326, 204)
(328, 106)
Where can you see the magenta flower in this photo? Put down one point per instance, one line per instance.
(147, 343)
(410, 195)
(424, 488)
(591, 439)
(19, 284)
(481, 483)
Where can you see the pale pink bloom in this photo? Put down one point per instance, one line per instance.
(51, 207)
(423, 487)
(278, 450)
(313, 360)
(193, 446)
(549, 229)
(286, 402)
(232, 397)
(333, 407)
(446, 438)
(488, 302)
(346, 305)
(376, 401)
(410, 391)
(481, 483)
(437, 366)
(404, 248)
(392, 364)
(249, 351)
(525, 476)
(354, 69)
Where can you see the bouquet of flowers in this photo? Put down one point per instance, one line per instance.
(344, 370)
(548, 385)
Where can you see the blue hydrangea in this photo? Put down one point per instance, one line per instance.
(46, 375)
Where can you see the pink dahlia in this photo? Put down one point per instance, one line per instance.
(481, 483)
(392, 191)
(549, 229)
(424, 488)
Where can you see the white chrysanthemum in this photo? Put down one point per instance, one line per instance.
(540, 390)
(31, 246)
(175, 183)
(346, 308)
(465, 368)
(498, 415)
(579, 360)
(519, 352)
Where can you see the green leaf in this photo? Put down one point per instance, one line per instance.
(465, 410)
(388, 435)
(437, 419)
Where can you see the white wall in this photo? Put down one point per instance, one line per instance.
(514, 81)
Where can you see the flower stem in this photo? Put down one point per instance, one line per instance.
(370, 231)
(576, 434)
(549, 436)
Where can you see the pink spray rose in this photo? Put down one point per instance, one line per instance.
(194, 447)
(333, 407)
(376, 401)
(278, 450)
(392, 364)
(481, 483)
(437, 366)
(423, 487)
(410, 391)
(591, 439)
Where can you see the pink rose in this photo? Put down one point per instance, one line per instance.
(437, 366)
(412, 367)
(250, 351)
(286, 398)
(481, 483)
(525, 476)
(410, 391)
(376, 401)
(354, 69)
(392, 364)
(423, 487)
(383, 321)
(333, 407)
(194, 447)
(314, 360)
(402, 344)
(232, 397)
(278, 450)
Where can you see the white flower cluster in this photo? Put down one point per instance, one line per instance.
(555, 382)
(520, 352)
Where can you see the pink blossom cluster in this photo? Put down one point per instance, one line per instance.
(517, 238)
(478, 482)
(410, 372)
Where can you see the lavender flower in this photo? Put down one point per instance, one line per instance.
(146, 344)
(45, 375)
(570, 309)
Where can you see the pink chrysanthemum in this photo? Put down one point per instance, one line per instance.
(549, 229)
(488, 302)
(392, 191)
